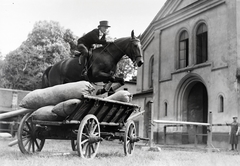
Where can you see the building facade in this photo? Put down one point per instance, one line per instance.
(191, 67)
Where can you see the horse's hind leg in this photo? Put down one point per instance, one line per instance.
(45, 82)
(54, 77)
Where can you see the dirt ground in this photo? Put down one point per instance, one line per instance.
(59, 152)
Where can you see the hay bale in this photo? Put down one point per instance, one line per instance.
(121, 95)
(45, 114)
(56, 94)
(65, 108)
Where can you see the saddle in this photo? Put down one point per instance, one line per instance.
(81, 58)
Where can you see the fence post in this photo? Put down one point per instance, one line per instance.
(165, 134)
(151, 124)
(209, 140)
(196, 136)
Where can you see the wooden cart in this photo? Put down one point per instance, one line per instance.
(93, 120)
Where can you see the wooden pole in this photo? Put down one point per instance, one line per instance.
(15, 113)
(196, 136)
(165, 135)
(150, 124)
(209, 139)
(181, 122)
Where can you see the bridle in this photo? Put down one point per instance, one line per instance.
(131, 51)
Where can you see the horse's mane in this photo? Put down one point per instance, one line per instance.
(116, 41)
(121, 39)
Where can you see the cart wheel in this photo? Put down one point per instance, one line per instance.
(88, 137)
(129, 138)
(74, 144)
(27, 141)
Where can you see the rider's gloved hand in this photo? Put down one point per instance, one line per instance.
(110, 40)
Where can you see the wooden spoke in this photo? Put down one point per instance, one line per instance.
(130, 133)
(84, 142)
(87, 138)
(27, 141)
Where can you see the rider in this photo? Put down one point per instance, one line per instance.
(96, 36)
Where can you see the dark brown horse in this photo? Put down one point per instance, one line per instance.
(101, 67)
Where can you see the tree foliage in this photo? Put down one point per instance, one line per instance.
(125, 68)
(45, 45)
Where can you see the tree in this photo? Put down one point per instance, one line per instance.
(45, 45)
(126, 68)
(1, 70)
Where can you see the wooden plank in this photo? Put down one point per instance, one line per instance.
(99, 108)
(112, 113)
(117, 113)
(122, 114)
(82, 110)
(86, 109)
(105, 112)
(181, 122)
(110, 101)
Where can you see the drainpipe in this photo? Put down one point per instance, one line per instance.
(157, 71)
(238, 53)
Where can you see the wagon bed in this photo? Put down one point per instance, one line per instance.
(93, 120)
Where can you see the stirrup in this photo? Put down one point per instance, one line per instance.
(84, 72)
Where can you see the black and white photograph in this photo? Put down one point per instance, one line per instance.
(119, 82)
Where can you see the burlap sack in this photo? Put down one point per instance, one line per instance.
(45, 114)
(56, 94)
(65, 108)
(121, 95)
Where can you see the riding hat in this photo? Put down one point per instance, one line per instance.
(103, 24)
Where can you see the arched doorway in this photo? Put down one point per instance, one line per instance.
(191, 103)
(197, 110)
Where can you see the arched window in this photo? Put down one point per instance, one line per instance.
(151, 64)
(183, 50)
(165, 109)
(221, 104)
(202, 43)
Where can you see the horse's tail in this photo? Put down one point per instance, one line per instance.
(45, 83)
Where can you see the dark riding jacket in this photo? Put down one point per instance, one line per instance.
(92, 38)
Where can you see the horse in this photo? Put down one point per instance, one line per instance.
(101, 65)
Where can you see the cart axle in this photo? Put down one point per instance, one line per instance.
(95, 139)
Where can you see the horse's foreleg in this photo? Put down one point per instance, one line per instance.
(106, 77)
(120, 80)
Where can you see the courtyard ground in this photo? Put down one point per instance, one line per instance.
(59, 153)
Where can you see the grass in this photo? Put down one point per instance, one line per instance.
(59, 153)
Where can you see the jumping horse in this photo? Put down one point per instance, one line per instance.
(101, 65)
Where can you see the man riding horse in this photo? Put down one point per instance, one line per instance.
(96, 36)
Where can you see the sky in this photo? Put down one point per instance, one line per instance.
(17, 17)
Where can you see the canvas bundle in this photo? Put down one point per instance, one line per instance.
(45, 114)
(56, 94)
(65, 108)
(121, 95)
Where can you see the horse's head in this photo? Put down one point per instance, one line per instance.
(134, 51)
